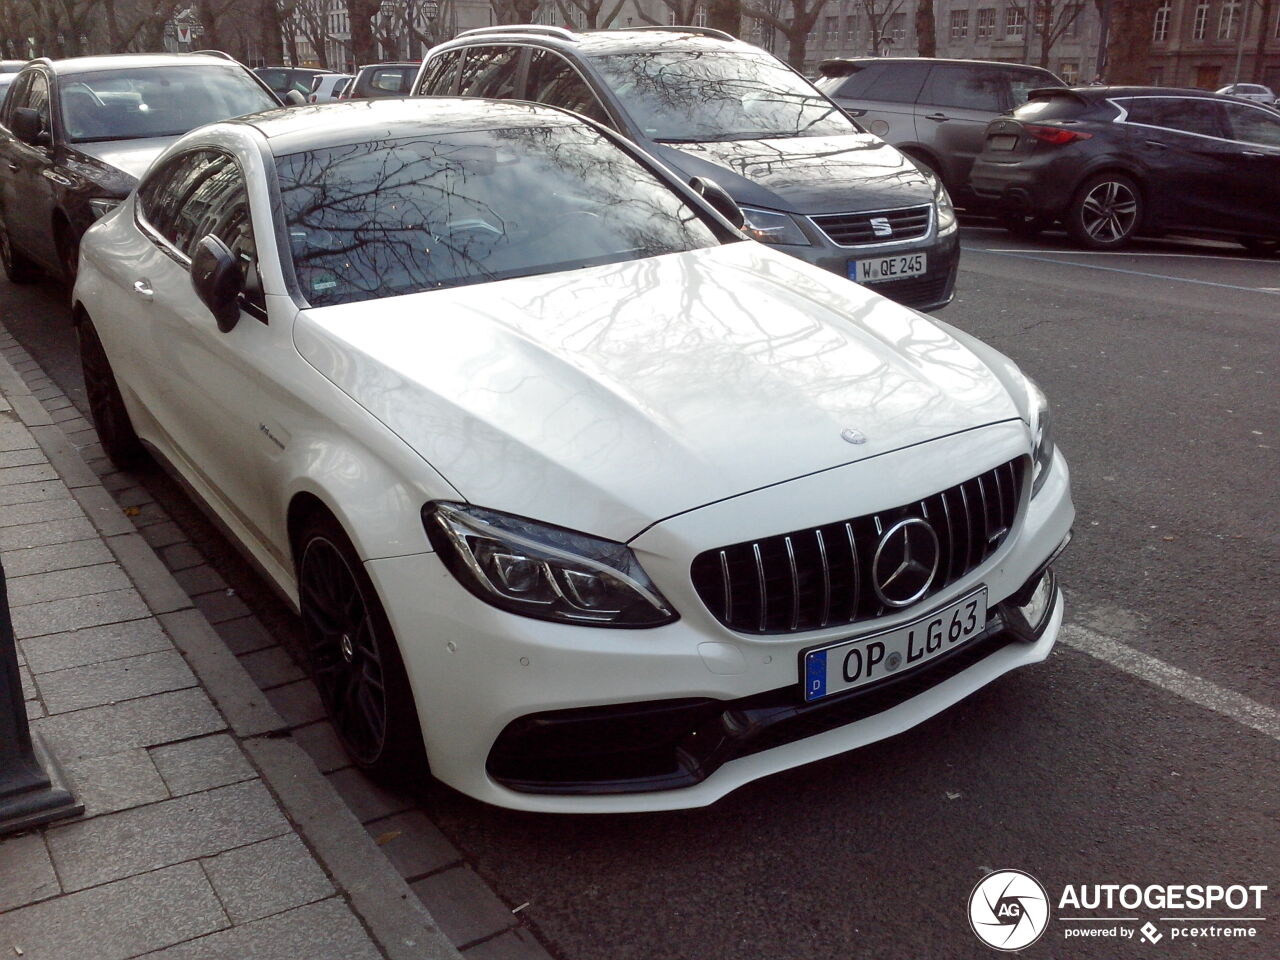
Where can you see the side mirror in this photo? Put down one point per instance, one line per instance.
(28, 127)
(218, 281)
(294, 98)
(719, 199)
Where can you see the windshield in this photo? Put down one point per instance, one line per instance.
(700, 95)
(156, 101)
(395, 216)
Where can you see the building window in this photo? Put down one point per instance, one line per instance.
(851, 28)
(699, 16)
(898, 28)
(959, 24)
(1201, 22)
(1160, 32)
(831, 31)
(986, 23)
(1229, 20)
(1015, 22)
(1069, 70)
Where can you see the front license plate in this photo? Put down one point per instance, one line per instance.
(888, 268)
(855, 663)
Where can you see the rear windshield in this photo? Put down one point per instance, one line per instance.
(701, 95)
(1051, 108)
(156, 101)
(396, 216)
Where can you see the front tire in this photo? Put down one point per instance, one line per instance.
(353, 656)
(17, 267)
(1105, 212)
(106, 405)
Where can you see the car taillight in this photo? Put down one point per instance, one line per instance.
(1055, 135)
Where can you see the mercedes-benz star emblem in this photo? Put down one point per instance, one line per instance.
(852, 435)
(905, 563)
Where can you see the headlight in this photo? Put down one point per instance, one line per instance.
(1041, 436)
(101, 206)
(942, 199)
(769, 227)
(541, 571)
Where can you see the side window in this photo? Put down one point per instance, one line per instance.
(1186, 116)
(855, 85)
(490, 72)
(966, 88)
(388, 81)
(439, 75)
(554, 81)
(161, 196)
(1253, 125)
(894, 83)
(34, 97)
(16, 97)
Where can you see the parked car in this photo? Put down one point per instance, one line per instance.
(8, 68)
(76, 134)
(609, 507)
(328, 86)
(1112, 162)
(1250, 91)
(283, 79)
(808, 180)
(935, 111)
(381, 80)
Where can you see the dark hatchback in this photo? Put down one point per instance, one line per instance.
(807, 178)
(1112, 162)
(75, 136)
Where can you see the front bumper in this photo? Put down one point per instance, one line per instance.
(477, 671)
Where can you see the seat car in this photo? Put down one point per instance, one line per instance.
(283, 79)
(76, 134)
(809, 181)
(381, 80)
(935, 111)
(607, 506)
(326, 87)
(1250, 91)
(1113, 162)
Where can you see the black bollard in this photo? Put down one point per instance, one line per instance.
(28, 796)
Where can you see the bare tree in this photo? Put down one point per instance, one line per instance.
(361, 14)
(1129, 43)
(804, 14)
(683, 11)
(590, 11)
(725, 15)
(1264, 23)
(515, 11)
(311, 19)
(926, 29)
(878, 13)
(1049, 20)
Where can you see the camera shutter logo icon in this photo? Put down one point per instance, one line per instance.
(1008, 910)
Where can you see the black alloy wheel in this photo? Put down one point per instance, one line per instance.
(106, 406)
(16, 266)
(1105, 212)
(68, 255)
(353, 657)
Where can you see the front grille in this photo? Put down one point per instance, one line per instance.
(821, 577)
(854, 229)
(914, 291)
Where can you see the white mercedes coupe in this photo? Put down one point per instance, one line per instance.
(586, 500)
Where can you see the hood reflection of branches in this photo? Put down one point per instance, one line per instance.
(401, 215)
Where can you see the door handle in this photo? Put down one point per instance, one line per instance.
(854, 113)
(1252, 153)
(13, 166)
(143, 289)
(937, 117)
(1156, 143)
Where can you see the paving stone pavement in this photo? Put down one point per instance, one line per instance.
(126, 701)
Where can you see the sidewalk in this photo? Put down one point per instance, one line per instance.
(208, 832)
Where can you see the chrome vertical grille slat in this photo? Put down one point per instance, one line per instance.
(813, 578)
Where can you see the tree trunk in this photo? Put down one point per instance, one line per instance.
(361, 13)
(796, 42)
(211, 39)
(1129, 49)
(1265, 22)
(725, 15)
(926, 29)
(271, 35)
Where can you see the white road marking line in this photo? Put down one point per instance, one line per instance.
(1128, 253)
(1133, 273)
(1206, 693)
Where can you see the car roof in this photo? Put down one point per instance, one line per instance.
(392, 63)
(1094, 94)
(320, 125)
(835, 62)
(125, 61)
(604, 42)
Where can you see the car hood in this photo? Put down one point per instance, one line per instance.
(609, 398)
(131, 156)
(806, 175)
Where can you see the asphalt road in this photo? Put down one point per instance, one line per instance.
(1144, 751)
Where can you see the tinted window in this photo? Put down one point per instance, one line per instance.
(395, 216)
(156, 101)
(440, 73)
(1252, 125)
(36, 97)
(887, 83)
(701, 95)
(1188, 116)
(1051, 108)
(1022, 82)
(966, 87)
(277, 80)
(391, 79)
(161, 196)
(553, 80)
(490, 72)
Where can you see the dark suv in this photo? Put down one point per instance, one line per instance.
(381, 80)
(807, 178)
(283, 79)
(75, 136)
(935, 111)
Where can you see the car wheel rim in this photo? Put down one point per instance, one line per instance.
(98, 387)
(344, 652)
(1109, 212)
